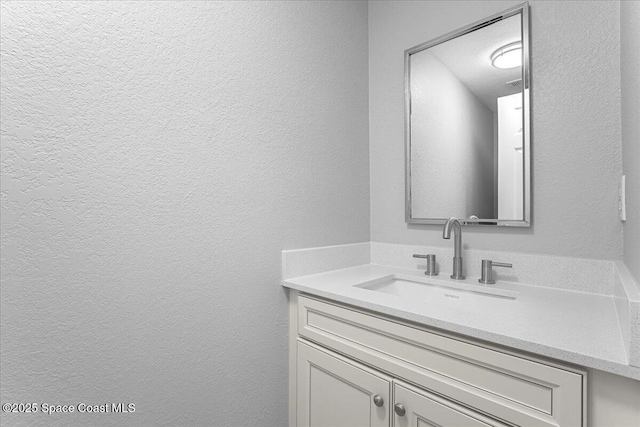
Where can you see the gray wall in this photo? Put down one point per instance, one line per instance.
(630, 83)
(156, 158)
(439, 104)
(576, 124)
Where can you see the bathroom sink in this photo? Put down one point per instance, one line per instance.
(435, 290)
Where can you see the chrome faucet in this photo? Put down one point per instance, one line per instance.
(457, 246)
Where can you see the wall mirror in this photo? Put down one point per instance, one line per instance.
(467, 129)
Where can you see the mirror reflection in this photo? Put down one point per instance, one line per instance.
(467, 139)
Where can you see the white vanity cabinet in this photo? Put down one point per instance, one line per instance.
(344, 361)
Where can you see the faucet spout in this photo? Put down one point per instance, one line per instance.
(454, 224)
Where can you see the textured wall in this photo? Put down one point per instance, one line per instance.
(630, 84)
(576, 124)
(439, 109)
(156, 158)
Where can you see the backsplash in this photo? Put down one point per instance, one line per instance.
(303, 262)
(575, 274)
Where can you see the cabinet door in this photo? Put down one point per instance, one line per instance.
(418, 408)
(333, 391)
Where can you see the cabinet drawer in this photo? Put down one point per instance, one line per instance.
(517, 390)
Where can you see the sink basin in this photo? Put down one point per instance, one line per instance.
(435, 290)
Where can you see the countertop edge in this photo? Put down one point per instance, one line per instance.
(578, 359)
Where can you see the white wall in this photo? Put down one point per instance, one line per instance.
(440, 110)
(156, 158)
(575, 124)
(630, 105)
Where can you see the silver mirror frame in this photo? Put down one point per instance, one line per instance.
(522, 9)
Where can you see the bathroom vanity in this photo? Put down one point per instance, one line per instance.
(359, 368)
(373, 342)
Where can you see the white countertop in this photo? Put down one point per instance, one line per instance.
(575, 327)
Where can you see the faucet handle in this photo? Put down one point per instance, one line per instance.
(487, 270)
(431, 264)
(499, 264)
